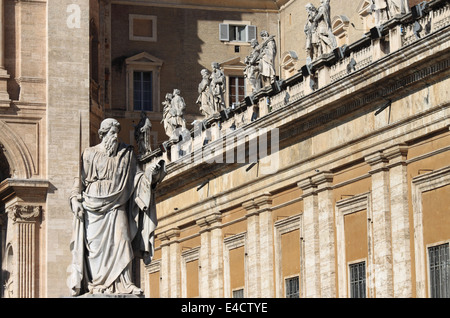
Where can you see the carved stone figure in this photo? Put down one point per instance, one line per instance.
(142, 135)
(167, 105)
(267, 58)
(319, 35)
(310, 31)
(178, 109)
(173, 113)
(251, 71)
(113, 202)
(218, 85)
(386, 9)
(327, 40)
(205, 98)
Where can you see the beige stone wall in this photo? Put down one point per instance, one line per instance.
(67, 100)
(348, 182)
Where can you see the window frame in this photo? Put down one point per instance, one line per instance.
(233, 95)
(349, 272)
(143, 62)
(249, 30)
(152, 18)
(428, 247)
(289, 278)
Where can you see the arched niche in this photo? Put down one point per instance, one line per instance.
(16, 153)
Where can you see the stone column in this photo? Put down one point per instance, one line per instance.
(401, 249)
(253, 251)
(24, 239)
(204, 261)
(326, 234)
(216, 262)
(311, 238)
(266, 267)
(382, 252)
(211, 256)
(170, 264)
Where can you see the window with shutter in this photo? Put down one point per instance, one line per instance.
(251, 33)
(224, 32)
(237, 32)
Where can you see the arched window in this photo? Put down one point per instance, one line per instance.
(5, 171)
(365, 12)
(340, 25)
(288, 63)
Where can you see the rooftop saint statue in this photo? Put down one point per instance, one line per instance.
(114, 216)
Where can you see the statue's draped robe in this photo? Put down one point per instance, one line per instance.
(118, 224)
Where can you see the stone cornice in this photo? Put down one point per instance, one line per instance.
(26, 189)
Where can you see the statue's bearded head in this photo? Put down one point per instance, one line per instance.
(109, 135)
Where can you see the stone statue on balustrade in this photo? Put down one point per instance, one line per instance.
(385, 10)
(205, 99)
(260, 63)
(319, 35)
(268, 52)
(142, 135)
(218, 87)
(173, 114)
(113, 202)
(251, 71)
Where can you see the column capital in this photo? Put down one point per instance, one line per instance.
(323, 180)
(24, 213)
(263, 201)
(168, 235)
(308, 186)
(377, 161)
(251, 207)
(396, 154)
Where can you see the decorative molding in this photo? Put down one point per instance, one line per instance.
(24, 213)
(345, 207)
(420, 184)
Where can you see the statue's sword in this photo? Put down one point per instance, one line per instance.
(80, 152)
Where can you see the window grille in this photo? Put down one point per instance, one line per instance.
(358, 280)
(238, 293)
(292, 287)
(439, 271)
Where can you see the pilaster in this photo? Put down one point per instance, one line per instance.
(23, 238)
(253, 251)
(211, 255)
(171, 263)
(401, 250)
(382, 237)
(311, 238)
(264, 203)
(326, 234)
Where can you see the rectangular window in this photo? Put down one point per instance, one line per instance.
(237, 89)
(238, 293)
(142, 91)
(292, 287)
(238, 32)
(439, 271)
(358, 280)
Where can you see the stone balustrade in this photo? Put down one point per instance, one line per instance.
(395, 34)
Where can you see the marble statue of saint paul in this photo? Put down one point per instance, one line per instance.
(114, 216)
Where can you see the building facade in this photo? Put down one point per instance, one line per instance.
(331, 182)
